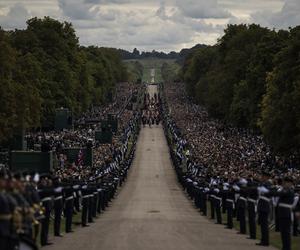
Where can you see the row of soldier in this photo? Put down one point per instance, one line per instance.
(241, 191)
(255, 200)
(29, 202)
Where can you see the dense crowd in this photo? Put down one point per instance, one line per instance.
(30, 201)
(232, 169)
(83, 134)
(226, 150)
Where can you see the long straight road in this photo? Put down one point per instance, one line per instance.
(152, 212)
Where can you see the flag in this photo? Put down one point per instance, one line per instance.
(80, 158)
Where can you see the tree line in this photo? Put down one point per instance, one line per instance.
(43, 68)
(178, 56)
(251, 79)
(135, 70)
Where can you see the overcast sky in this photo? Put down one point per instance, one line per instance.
(151, 24)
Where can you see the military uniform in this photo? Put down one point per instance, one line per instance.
(252, 209)
(45, 194)
(58, 209)
(218, 204)
(85, 205)
(285, 216)
(230, 206)
(6, 225)
(241, 208)
(69, 199)
(263, 209)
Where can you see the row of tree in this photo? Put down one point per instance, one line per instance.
(135, 70)
(251, 79)
(136, 54)
(43, 68)
(178, 56)
(169, 72)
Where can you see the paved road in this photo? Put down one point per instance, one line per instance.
(152, 212)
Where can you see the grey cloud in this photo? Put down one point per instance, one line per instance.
(161, 12)
(16, 17)
(107, 1)
(177, 17)
(289, 16)
(202, 9)
(152, 24)
(78, 10)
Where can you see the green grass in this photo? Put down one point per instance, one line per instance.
(275, 239)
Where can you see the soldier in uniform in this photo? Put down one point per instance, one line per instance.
(91, 203)
(212, 204)
(285, 212)
(263, 208)
(204, 192)
(230, 206)
(58, 206)
(77, 197)
(241, 206)
(5, 216)
(295, 222)
(69, 199)
(275, 201)
(85, 205)
(37, 210)
(297, 208)
(218, 204)
(252, 207)
(45, 193)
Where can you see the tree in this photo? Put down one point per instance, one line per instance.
(43, 68)
(281, 104)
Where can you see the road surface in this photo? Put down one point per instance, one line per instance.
(152, 212)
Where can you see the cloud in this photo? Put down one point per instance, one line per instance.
(15, 18)
(77, 10)
(288, 16)
(107, 1)
(202, 9)
(161, 12)
(151, 24)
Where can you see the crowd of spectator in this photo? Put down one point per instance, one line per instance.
(221, 148)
